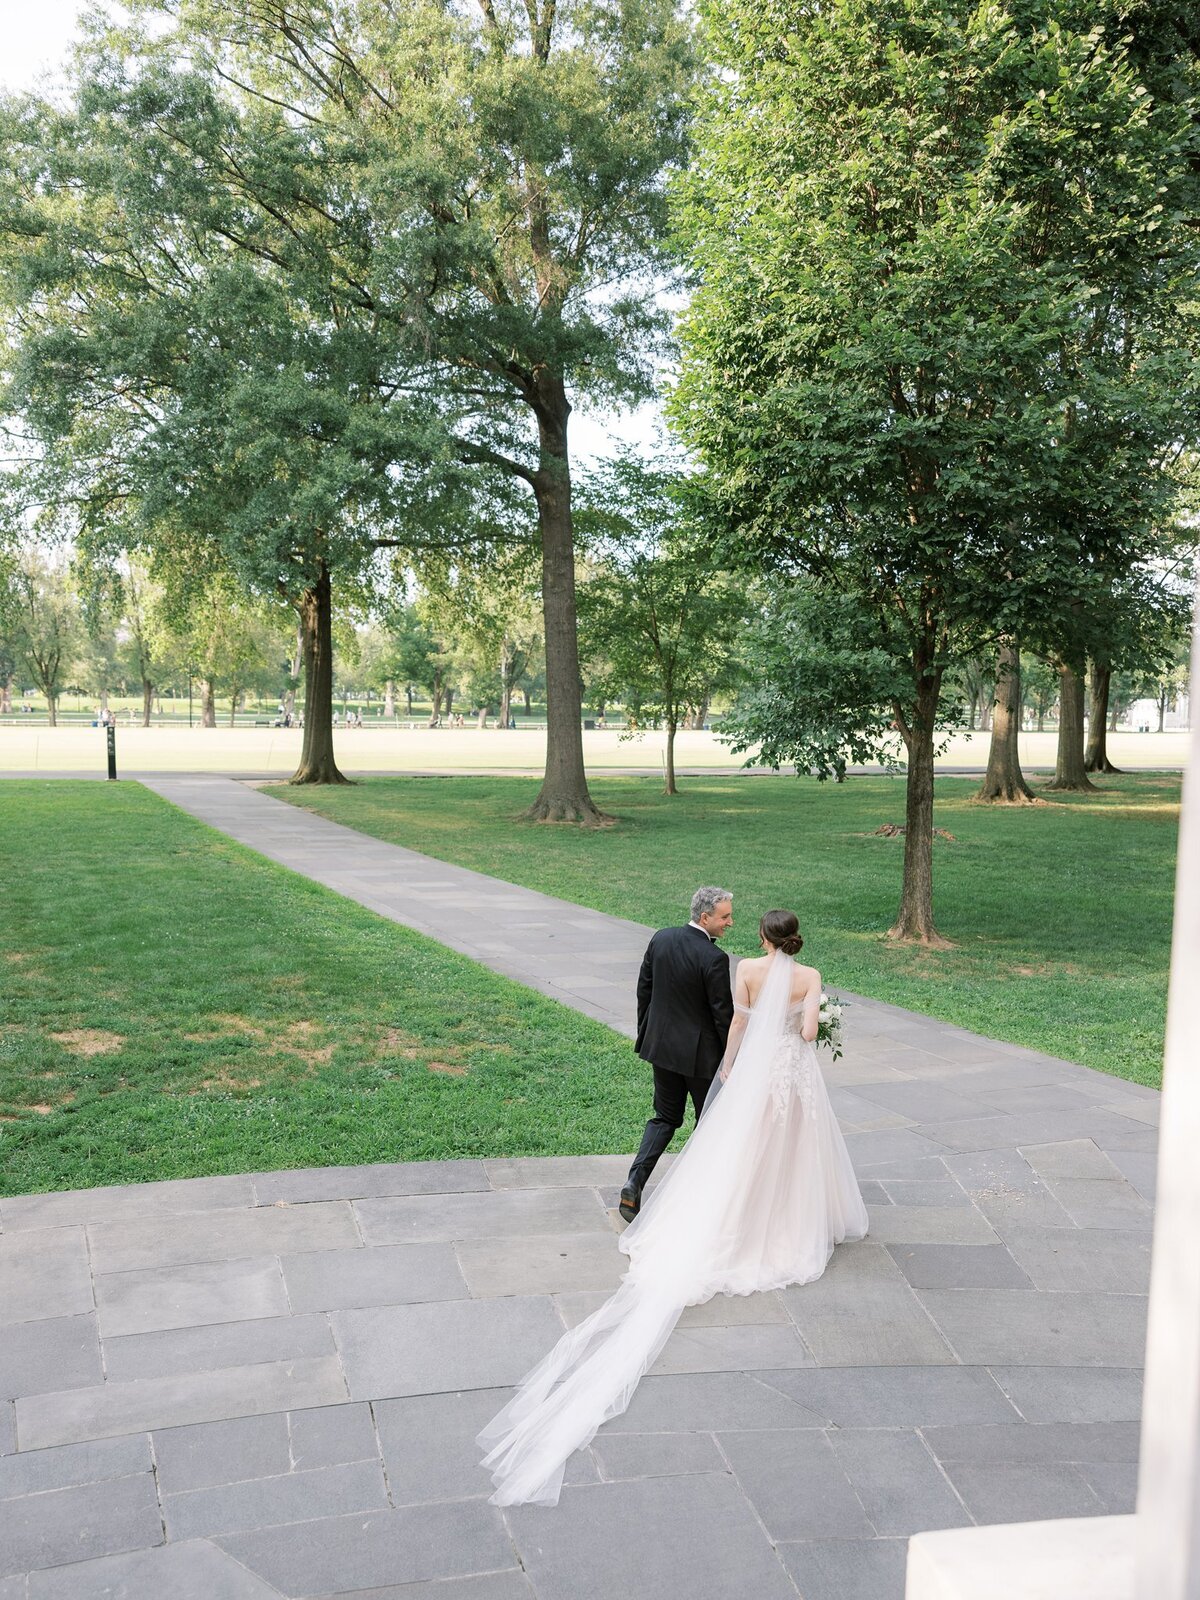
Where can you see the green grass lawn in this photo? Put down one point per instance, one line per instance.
(172, 1004)
(1060, 913)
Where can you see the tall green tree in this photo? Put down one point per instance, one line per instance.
(472, 197)
(46, 624)
(926, 239)
(657, 610)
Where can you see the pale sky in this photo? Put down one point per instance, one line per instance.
(36, 36)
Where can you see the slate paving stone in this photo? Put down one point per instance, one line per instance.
(136, 1201)
(923, 1192)
(223, 1236)
(895, 1397)
(1114, 1483)
(360, 1183)
(1140, 1170)
(847, 1569)
(1011, 1327)
(408, 1545)
(747, 1347)
(899, 1484)
(656, 1455)
(704, 1401)
(210, 1453)
(863, 1312)
(1094, 1203)
(873, 1192)
(693, 1536)
(796, 1484)
(94, 1519)
(552, 1172)
(116, 1408)
(515, 1213)
(959, 1266)
(71, 1465)
(512, 1585)
(8, 1427)
(14, 1588)
(196, 1570)
(398, 1350)
(1005, 1132)
(44, 1272)
(1007, 1190)
(56, 1352)
(1034, 1443)
(931, 1225)
(1002, 1492)
(1071, 1158)
(429, 1447)
(331, 1435)
(1073, 1394)
(869, 1151)
(266, 1502)
(1082, 1259)
(381, 1275)
(541, 1264)
(205, 1292)
(925, 1101)
(180, 1351)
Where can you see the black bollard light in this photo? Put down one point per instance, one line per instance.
(110, 736)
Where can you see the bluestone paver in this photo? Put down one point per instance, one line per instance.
(305, 1357)
(196, 1570)
(368, 1550)
(695, 1536)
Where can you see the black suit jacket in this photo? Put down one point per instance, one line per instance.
(685, 1003)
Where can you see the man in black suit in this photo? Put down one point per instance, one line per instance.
(685, 1006)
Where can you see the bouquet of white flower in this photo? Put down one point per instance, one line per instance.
(829, 1024)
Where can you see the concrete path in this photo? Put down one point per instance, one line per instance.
(262, 1386)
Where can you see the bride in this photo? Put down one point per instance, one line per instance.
(761, 1193)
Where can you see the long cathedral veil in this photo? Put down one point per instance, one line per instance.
(683, 1248)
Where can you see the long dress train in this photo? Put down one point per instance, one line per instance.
(760, 1195)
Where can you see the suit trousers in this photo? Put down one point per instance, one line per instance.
(671, 1091)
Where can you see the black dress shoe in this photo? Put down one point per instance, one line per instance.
(631, 1200)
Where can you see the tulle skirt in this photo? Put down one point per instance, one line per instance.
(760, 1196)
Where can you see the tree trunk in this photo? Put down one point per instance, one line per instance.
(389, 699)
(701, 716)
(1096, 756)
(1004, 781)
(435, 709)
(6, 697)
(147, 701)
(985, 715)
(1041, 716)
(914, 922)
(52, 708)
(408, 697)
(1069, 770)
(1162, 710)
(233, 700)
(669, 787)
(528, 703)
(208, 706)
(971, 715)
(564, 795)
(317, 764)
(448, 699)
(1113, 714)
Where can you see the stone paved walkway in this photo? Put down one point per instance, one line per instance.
(252, 1387)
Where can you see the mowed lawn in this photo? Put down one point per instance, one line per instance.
(172, 1004)
(1060, 913)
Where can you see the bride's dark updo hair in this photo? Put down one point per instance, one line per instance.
(782, 929)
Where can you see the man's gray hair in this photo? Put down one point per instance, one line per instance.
(708, 899)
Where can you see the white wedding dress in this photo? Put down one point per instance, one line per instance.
(759, 1197)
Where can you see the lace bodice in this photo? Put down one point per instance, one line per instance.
(793, 1063)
